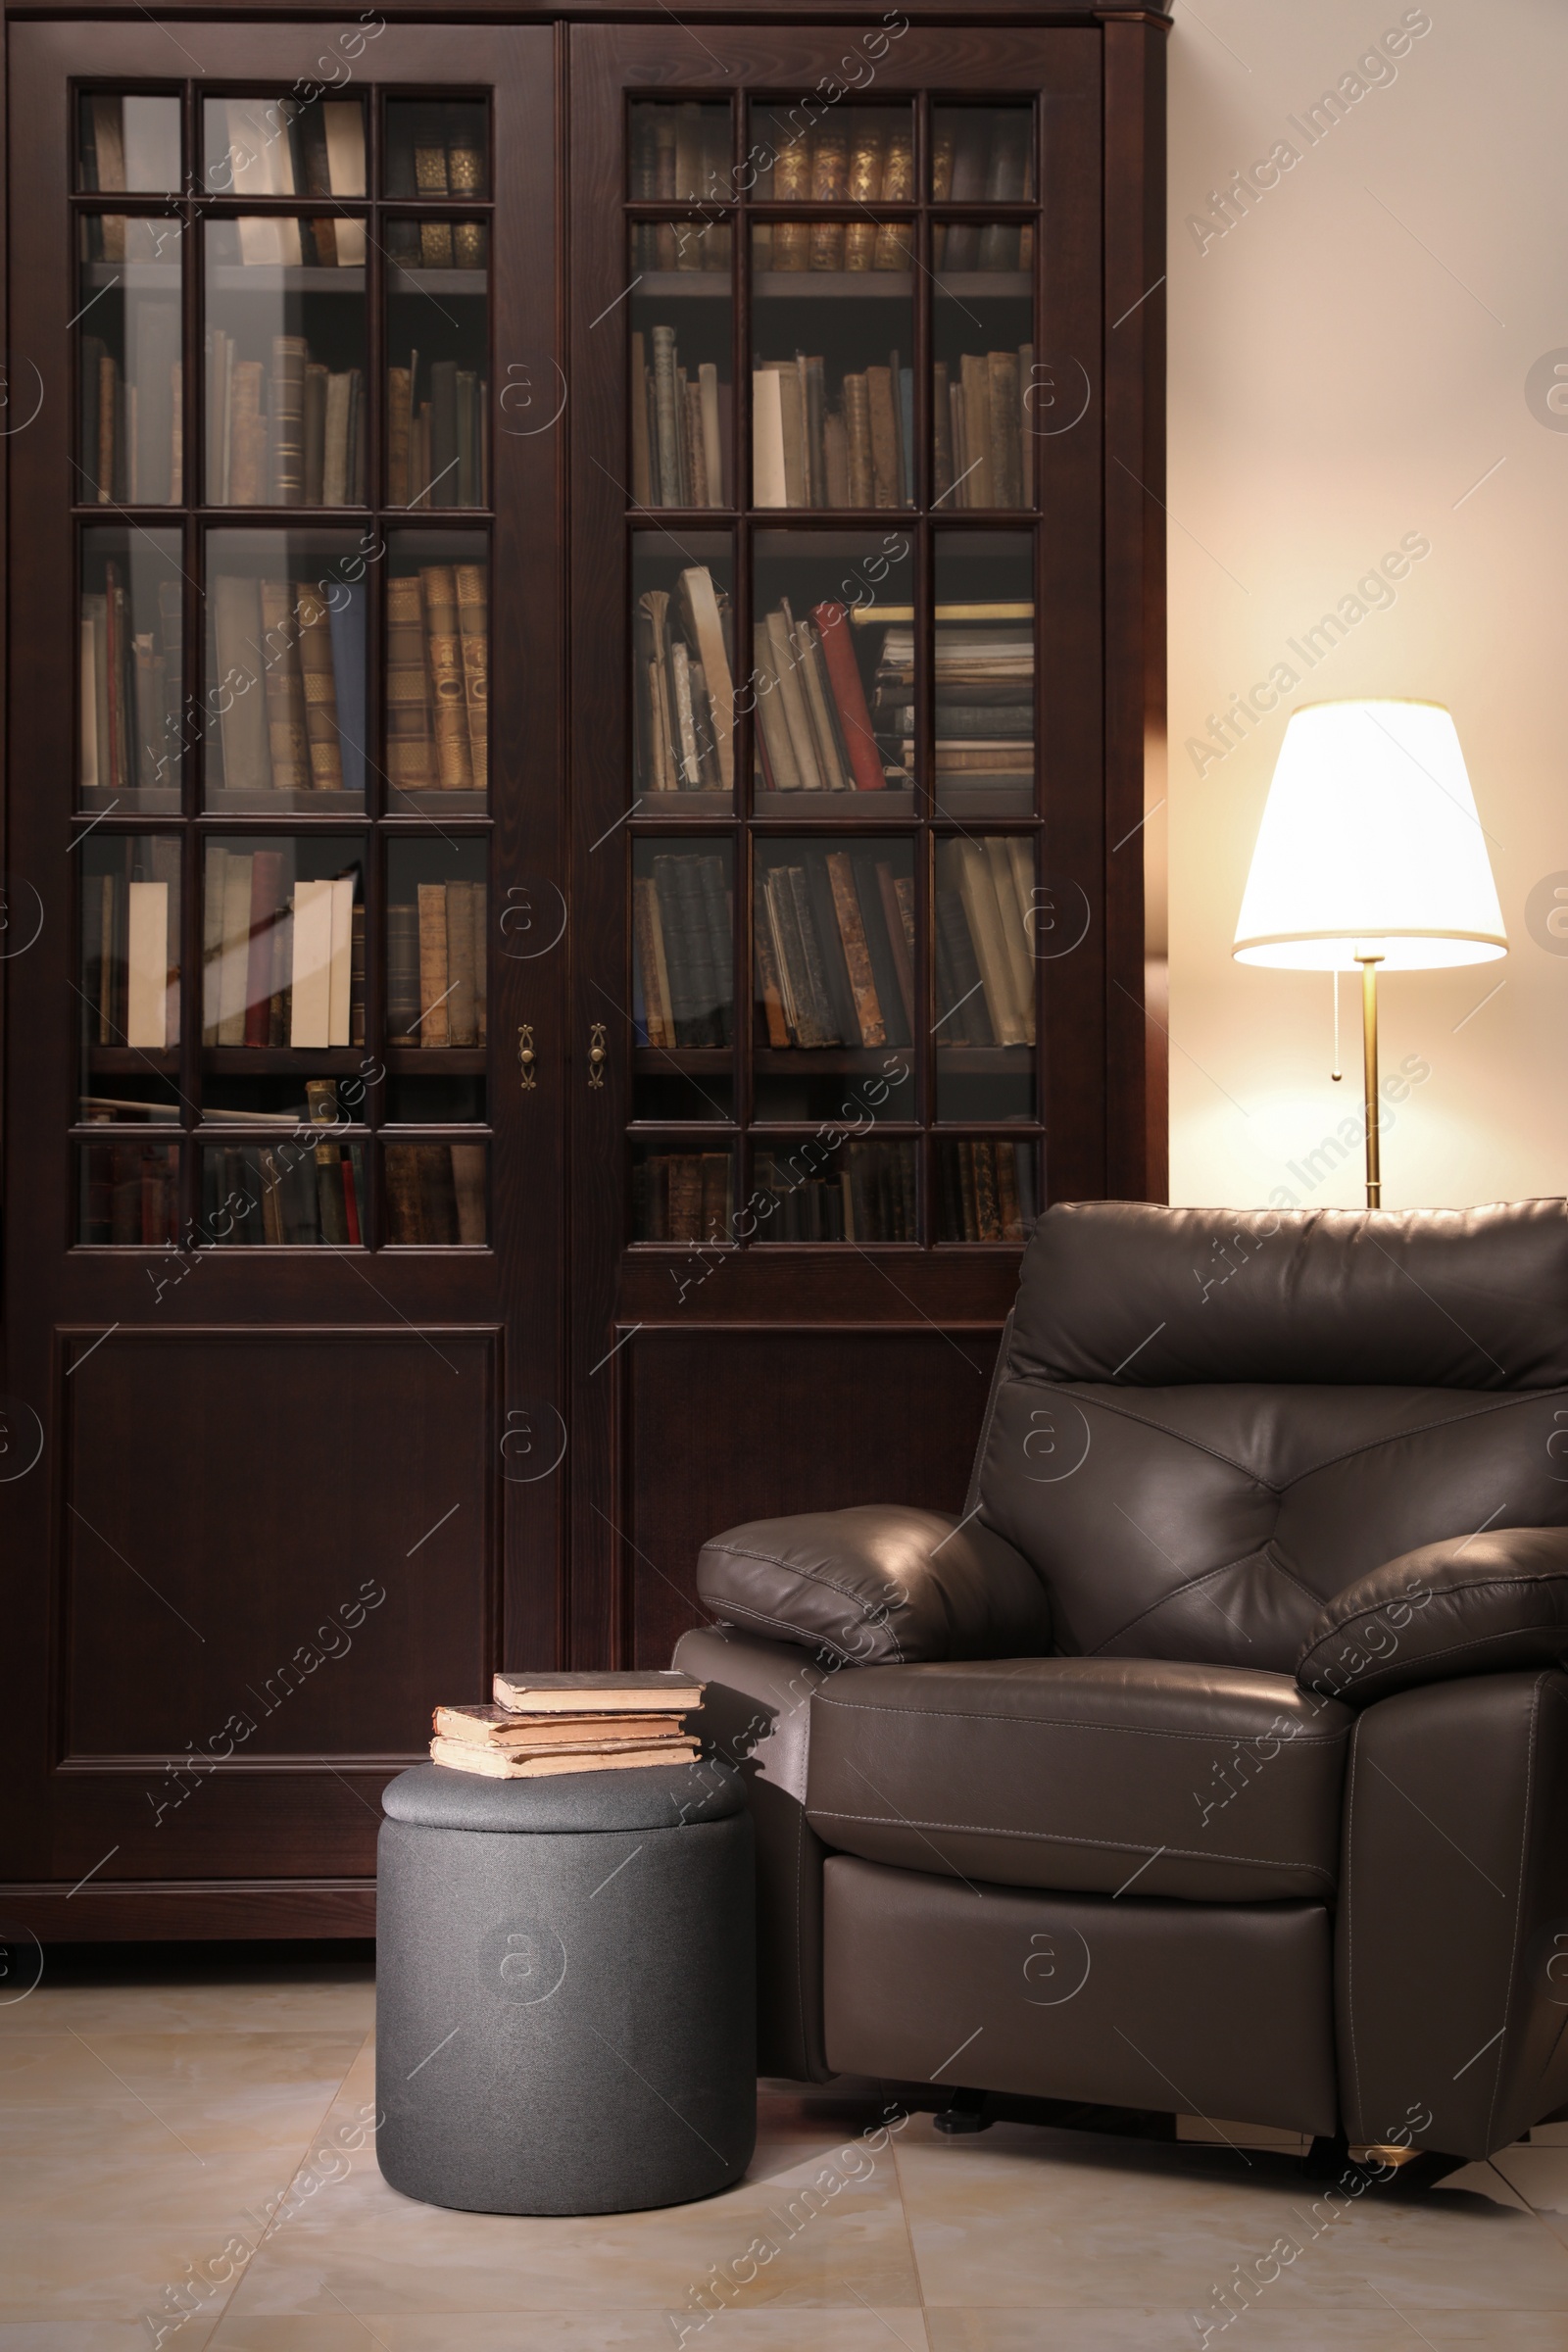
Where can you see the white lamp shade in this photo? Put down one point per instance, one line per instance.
(1370, 840)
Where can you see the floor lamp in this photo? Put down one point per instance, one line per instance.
(1371, 855)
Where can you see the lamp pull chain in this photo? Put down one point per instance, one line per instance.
(1336, 1073)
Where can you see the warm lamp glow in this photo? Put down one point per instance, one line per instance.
(1370, 844)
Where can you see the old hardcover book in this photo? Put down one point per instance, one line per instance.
(857, 952)
(857, 439)
(983, 913)
(402, 974)
(448, 691)
(665, 1692)
(704, 626)
(410, 744)
(780, 768)
(979, 483)
(284, 688)
(791, 693)
(500, 1727)
(473, 627)
(461, 1011)
(323, 745)
(288, 420)
(652, 964)
(831, 755)
(1006, 473)
(884, 431)
(247, 435)
(769, 484)
(311, 973)
(434, 974)
(770, 988)
(499, 1764)
(849, 696)
(398, 393)
(665, 417)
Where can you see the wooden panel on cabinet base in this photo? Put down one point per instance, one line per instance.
(144, 1911)
(719, 1426)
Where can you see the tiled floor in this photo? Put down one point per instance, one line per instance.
(166, 2131)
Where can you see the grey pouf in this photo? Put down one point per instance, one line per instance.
(564, 1968)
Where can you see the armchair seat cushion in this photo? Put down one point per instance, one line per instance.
(1107, 1776)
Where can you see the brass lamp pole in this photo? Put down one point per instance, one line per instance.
(1369, 959)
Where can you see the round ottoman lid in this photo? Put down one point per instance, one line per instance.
(652, 1796)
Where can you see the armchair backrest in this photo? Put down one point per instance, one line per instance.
(1206, 1424)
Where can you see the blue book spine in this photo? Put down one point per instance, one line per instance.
(348, 616)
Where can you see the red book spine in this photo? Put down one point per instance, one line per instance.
(844, 676)
(266, 880)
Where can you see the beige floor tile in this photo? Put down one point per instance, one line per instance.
(61, 2271)
(109, 2183)
(856, 2331)
(382, 2252)
(1145, 2329)
(1540, 2175)
(218, 2090)
(1022, 2218)
(302, 1998)
(103, 2335)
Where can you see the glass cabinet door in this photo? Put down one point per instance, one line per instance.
(831, 342)
(282, 340)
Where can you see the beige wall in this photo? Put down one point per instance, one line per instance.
(1347, 361)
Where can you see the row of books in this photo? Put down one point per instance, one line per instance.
(679, 426)
(437, 447)
(814, 725)
(434, 1195)
(811, 448)
(438, 678)
(284, 431)
(682, 925)
(544, 1724)
(834, 945)
(131, 431)
(130, 690)
(437, 245)
(283, 959)
(683, 660)
(130, 949)
(984, 925)
(680, 153)
(984, 680)
(869, 1197)
(985, 1191)
(855, 245)
(961, 246)
(284, 1194)
(685, 245)
(448, 152)
(289, 667)
(129, 1194)
(436, 966)
(862, 160)
(681, 1197)
(982, 452)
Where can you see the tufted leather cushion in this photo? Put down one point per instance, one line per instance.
(1197, 1462)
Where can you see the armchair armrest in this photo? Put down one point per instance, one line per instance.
(879, 1584)
(1475, 1604)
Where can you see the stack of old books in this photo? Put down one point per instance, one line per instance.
(546, 1723)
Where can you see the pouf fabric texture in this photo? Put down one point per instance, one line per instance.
(566, 2009)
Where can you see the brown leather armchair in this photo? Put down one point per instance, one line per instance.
(1215, 1760)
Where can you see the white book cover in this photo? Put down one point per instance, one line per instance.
(311, 1020)
(147, 966)
(768, 438)
(342, 959)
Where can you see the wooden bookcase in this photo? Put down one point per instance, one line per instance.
(543, 985)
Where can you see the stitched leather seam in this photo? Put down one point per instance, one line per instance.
(741, 1608)
(1350, 1918)
(1110, 1845)
(1522, 1582)
(813, 1576)
(1373, 1682)
(1189, 1584)
(1371, 1446)
(1519, 1905)
(1070, 1723)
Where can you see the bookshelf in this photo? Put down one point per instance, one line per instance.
(849, 913)
(582, 657)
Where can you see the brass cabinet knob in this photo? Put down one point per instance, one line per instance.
(527, 1059)
(598, 1056)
